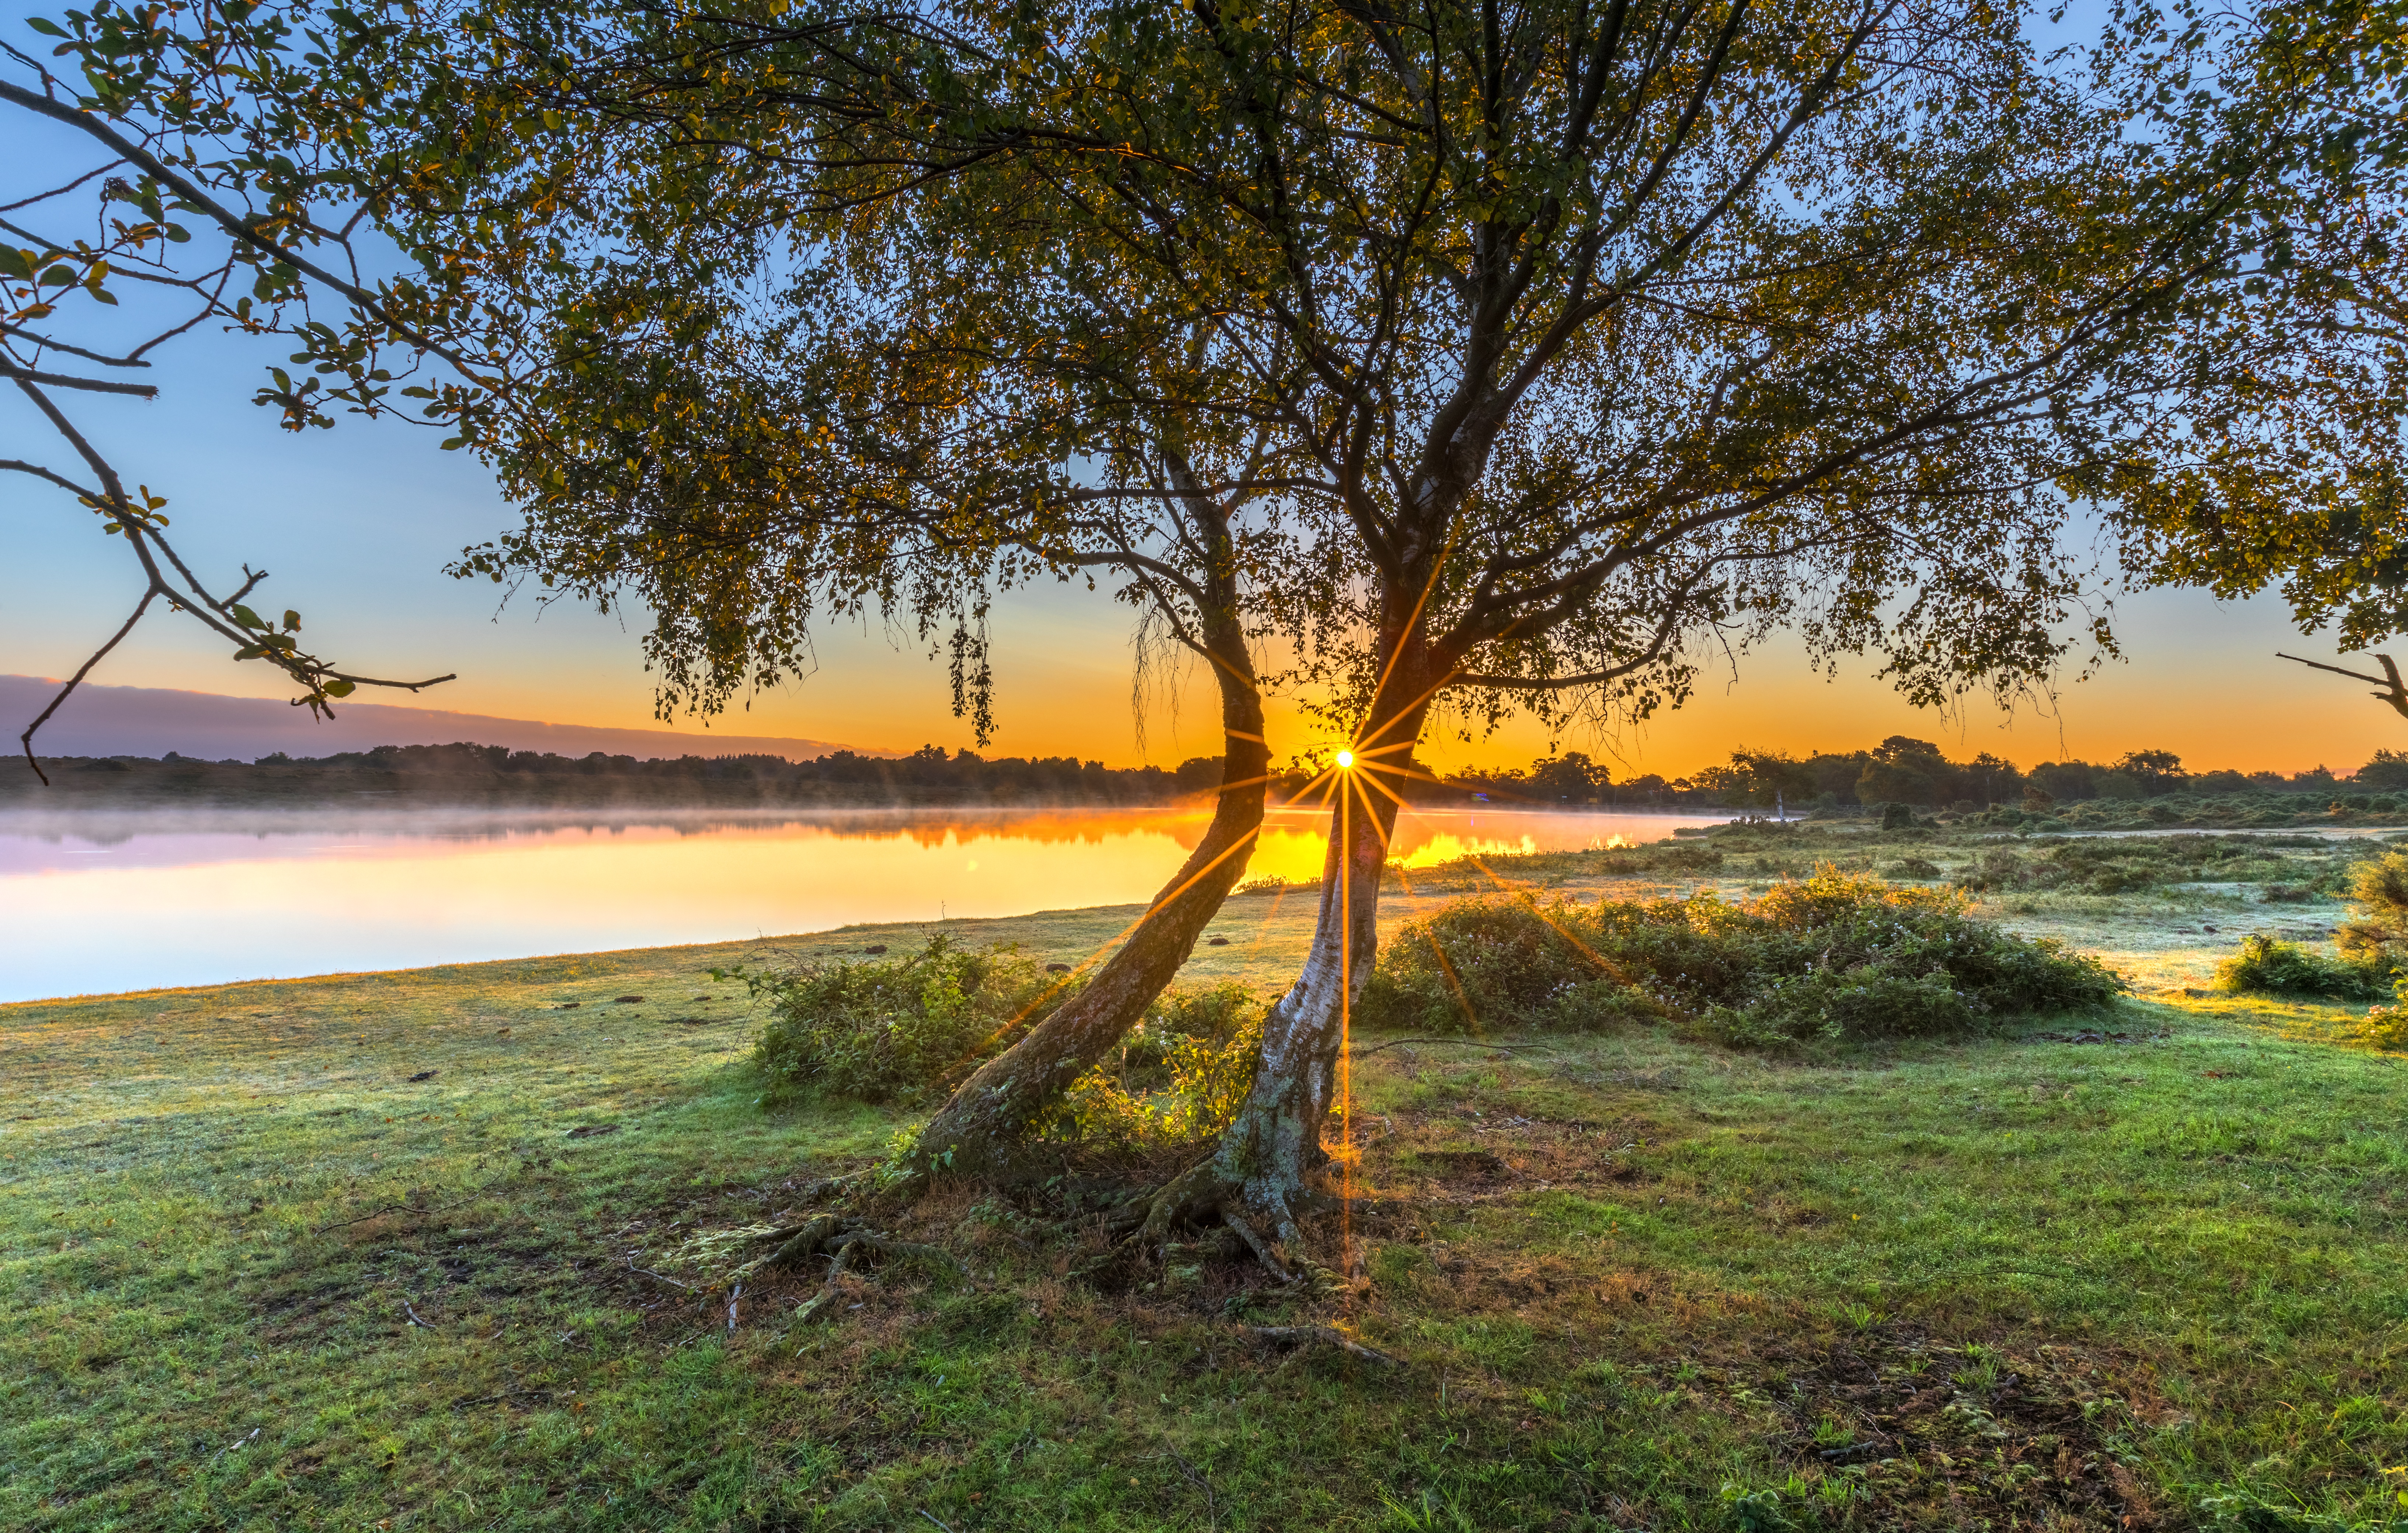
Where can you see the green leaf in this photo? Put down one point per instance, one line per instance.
(339, 688)
(292, 621)
(16, 262)
(46, 27)
(247, 618)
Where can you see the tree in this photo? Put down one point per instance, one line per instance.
(1568, 776)
(2386, 773)
(1552, 350)
(2155, 771)
(1773, 778)
(204, 159)
(658, 460)
(1902, 772)
(2311, 325)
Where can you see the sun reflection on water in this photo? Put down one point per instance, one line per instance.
(266, 895)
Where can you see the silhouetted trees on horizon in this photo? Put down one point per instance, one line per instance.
(1898, 771)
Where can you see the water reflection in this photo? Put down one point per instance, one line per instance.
(220, 896)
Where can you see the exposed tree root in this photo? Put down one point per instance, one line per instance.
(1325, 1336)
(842, 1238)
(1205, 1196)
(1264, 1251)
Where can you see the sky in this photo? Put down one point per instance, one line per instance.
(356, 523)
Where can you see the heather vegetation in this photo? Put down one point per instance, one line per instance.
(1832, 957)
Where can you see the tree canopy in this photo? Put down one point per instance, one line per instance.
(195, 193)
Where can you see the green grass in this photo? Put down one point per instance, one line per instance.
(1636, 1283)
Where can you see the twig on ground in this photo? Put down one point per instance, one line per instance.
(239, 1442)
(388, 1208)
(1212, 1502)
(505, 1395)
(931, 1516)
(414, 1316)
(1466, 1042)
(648, 1272)
(1326, 1336)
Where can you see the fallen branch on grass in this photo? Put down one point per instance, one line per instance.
(1466, 1042)
(388, 1208)
(648, 1272)
(1325, 1336)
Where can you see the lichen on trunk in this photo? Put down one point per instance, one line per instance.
(1262, 1167)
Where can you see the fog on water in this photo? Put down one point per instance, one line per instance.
(103, 900)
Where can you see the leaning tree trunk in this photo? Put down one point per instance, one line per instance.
(1260, 1170)
(980, 1132)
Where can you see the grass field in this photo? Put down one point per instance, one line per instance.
(425, 1250)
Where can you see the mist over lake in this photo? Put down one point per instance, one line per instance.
(235, 895)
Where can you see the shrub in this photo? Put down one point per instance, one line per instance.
(1833, 955)
(1913, 868)
(909, 1030)
(2377, 930)
(1997, 868)
(1181, 1074)
(2115, 879)
(2264, 964)
(904, 1030)
(2384, 1027)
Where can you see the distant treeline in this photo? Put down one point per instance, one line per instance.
(928, 769)
(1897, 771)
(466, 773)
(1901, 770)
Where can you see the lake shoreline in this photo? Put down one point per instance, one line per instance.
(1264, 930)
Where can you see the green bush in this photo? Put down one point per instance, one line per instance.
(2377, 930)
(2118, 880)
(903, 1030)
(1834, 955)
(2264, 964)
(909, 1030)
(1996, 867)
(1181, 1074)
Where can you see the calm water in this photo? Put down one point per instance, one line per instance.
(95, 903)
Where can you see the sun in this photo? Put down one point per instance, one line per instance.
(1345, 759)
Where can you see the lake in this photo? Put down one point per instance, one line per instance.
(96, 902)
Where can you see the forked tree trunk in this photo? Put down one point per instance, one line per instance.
(1261, 1168)
(980, 1132)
